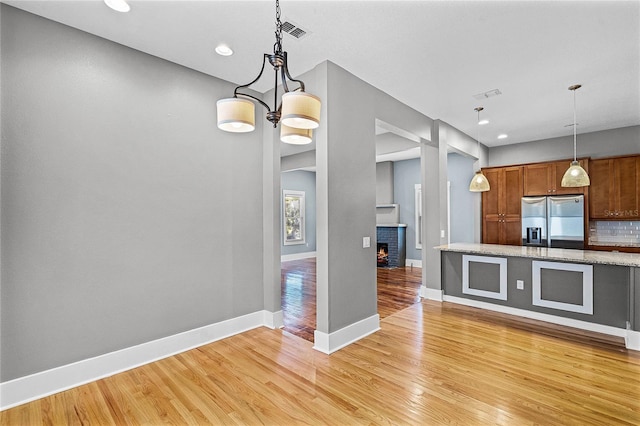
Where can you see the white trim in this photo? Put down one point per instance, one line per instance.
(273, 320)
(501, 261)
(297, 256)
(413, 262)
(329, 343)
(301, 197)
(431, 293)
(29, 388)
(417, 213)
(587, 286)
(632, 338)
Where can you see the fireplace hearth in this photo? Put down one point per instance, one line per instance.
(391, 246)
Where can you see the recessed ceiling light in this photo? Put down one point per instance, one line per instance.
(118, 5)
(503, 136)
(483, 122)
(224, 50)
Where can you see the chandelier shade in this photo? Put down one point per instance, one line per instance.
(236, 115)
(295, 136)
(575, 176)
(300, 110)
(296, 108)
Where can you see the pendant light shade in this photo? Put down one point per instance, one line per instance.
(575, 176)
(300, 110)
(236, 115)
(295, 136)
(479, 182)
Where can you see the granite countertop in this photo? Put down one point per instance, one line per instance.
(565, 255)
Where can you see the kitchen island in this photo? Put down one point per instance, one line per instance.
(590, 290)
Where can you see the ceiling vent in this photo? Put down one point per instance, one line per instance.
(293, 29)
(489, 94)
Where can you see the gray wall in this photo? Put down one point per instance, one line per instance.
(461, 201)
(346, 197)
(406, 176)
(384, 183)
(607, 143)
(301, 181)
(127, 215)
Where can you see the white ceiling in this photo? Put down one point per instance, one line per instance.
(431, 55)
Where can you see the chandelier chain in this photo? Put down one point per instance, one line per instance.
(278, 46)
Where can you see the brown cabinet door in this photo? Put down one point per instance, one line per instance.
(491, 198)
(512, 231)
(626, 180)
(601, 189)
(615, 188)
(537, 179)
(511, 202)
(491, 230)
(559, 167)
(501, 206)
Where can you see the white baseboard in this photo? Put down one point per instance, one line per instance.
(28, 388)
(329, 343)
(273, 320)
(632, 338)
(297, 256)
(431, 293)
(413, 262)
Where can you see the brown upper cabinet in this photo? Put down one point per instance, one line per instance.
(501, 206)
(544, 178)
(614, 193)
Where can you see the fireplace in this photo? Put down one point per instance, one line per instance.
(391, 245)
(383, 254)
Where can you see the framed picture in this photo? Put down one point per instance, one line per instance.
(293, 217)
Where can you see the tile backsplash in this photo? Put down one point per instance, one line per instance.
(614, 233)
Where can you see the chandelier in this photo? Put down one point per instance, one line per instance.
(297, 111)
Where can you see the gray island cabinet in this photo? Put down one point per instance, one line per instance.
(590, 290)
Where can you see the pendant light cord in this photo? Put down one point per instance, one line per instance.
(574, 126)
(478, 109)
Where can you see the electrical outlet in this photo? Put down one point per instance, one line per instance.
(520, 285)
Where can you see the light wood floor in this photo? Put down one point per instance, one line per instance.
(431, 363)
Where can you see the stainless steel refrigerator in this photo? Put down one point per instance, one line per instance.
(556, 221)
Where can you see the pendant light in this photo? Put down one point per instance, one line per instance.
(298, 110)
(575, 176)
(479, 182)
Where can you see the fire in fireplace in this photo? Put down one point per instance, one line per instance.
(383, 254)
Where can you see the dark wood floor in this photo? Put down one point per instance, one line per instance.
(398, 288)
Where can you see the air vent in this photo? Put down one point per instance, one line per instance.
(489, 94)
(293, 29)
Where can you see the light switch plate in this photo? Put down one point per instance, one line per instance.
(442, 233)
(520, 285)
(366, 242)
